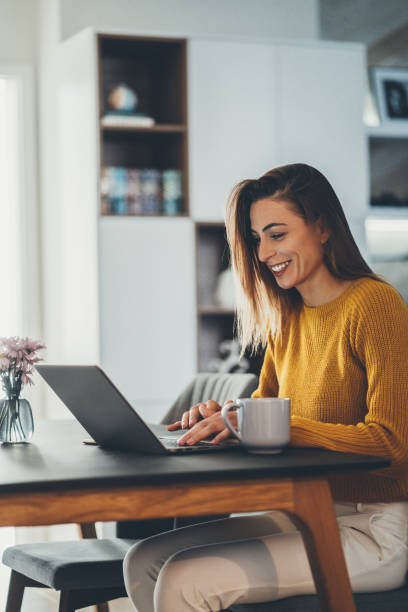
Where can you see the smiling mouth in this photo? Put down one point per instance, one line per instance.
(279, 267)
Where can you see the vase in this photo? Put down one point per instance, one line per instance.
(16, 417)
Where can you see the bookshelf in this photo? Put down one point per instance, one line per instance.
(214, 321)
(215, 308)
(155, 70)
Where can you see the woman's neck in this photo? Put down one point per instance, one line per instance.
(322, 289)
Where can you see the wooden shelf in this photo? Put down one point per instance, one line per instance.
(146, 216)
(211, 309)
(394, 212)
(399, 130)
(158, 129)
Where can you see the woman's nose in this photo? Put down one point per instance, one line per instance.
(265, 251)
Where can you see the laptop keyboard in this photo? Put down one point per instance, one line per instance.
(172, 442)
(169, 443)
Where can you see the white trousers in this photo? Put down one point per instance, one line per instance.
(261, 557)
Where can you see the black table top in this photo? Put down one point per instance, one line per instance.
(57, 458)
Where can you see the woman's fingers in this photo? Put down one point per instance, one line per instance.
(199, 411)
(209, 408)
(174, 426)
(185, 419)
(189, 419)
(225, 433)
(194, 415)
(182, 424)
(203, 430)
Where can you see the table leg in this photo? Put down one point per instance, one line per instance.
(313, 514)
(88, 531)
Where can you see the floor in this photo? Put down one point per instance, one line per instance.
(45, 600)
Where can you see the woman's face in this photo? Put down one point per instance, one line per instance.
(287, 245)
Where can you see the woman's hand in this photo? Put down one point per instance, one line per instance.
(213, 424)
(200, 411)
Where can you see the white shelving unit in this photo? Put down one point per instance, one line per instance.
(399, 129)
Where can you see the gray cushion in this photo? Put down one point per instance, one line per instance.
(69, 565)
(384, 601)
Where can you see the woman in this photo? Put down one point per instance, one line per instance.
(336, 340)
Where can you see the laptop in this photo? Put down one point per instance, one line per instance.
(109, 418)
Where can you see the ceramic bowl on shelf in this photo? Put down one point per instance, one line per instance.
(123, 98)
(224, 295)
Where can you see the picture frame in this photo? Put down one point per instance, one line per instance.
(390, 89)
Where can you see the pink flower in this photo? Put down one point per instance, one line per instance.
(31, 358)
(4, 363)
(31, 346)
(19, 355)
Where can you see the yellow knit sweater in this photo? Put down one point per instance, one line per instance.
(345, 367)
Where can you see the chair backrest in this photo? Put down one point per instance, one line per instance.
(217, 387)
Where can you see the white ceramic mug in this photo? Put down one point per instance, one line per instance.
(263, 423)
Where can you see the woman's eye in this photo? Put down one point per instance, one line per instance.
(255, 240)
(276, 236)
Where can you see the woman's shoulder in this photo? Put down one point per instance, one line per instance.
(374, 297)
(377, 316)
(374, 291)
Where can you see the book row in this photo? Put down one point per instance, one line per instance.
(133, 191)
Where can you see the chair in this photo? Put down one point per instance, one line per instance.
(89, 571)
(389, 601)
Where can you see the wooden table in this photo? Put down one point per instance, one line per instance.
(57, 479)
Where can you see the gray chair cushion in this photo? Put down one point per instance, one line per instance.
(384, 601)
(71, 565)
(218, 387)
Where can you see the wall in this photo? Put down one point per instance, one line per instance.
(254, 18)
(18, 56)
(17, 34)
(48, 27)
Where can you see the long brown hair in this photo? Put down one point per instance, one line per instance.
(262, 302)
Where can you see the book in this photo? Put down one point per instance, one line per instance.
(124, 119)
(134, 192)
(172, 192)
(105, 191)
(150, 191)
(113, 191)
(118, 194)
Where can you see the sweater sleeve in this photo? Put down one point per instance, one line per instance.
(268, 382)
(379, 340)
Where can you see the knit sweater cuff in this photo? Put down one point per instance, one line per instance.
(337, 437)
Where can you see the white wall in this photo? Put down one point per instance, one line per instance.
(17, 34)
(253, 18)
(48, 26)
(18, 58)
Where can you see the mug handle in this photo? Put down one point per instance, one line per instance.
(224, 413)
